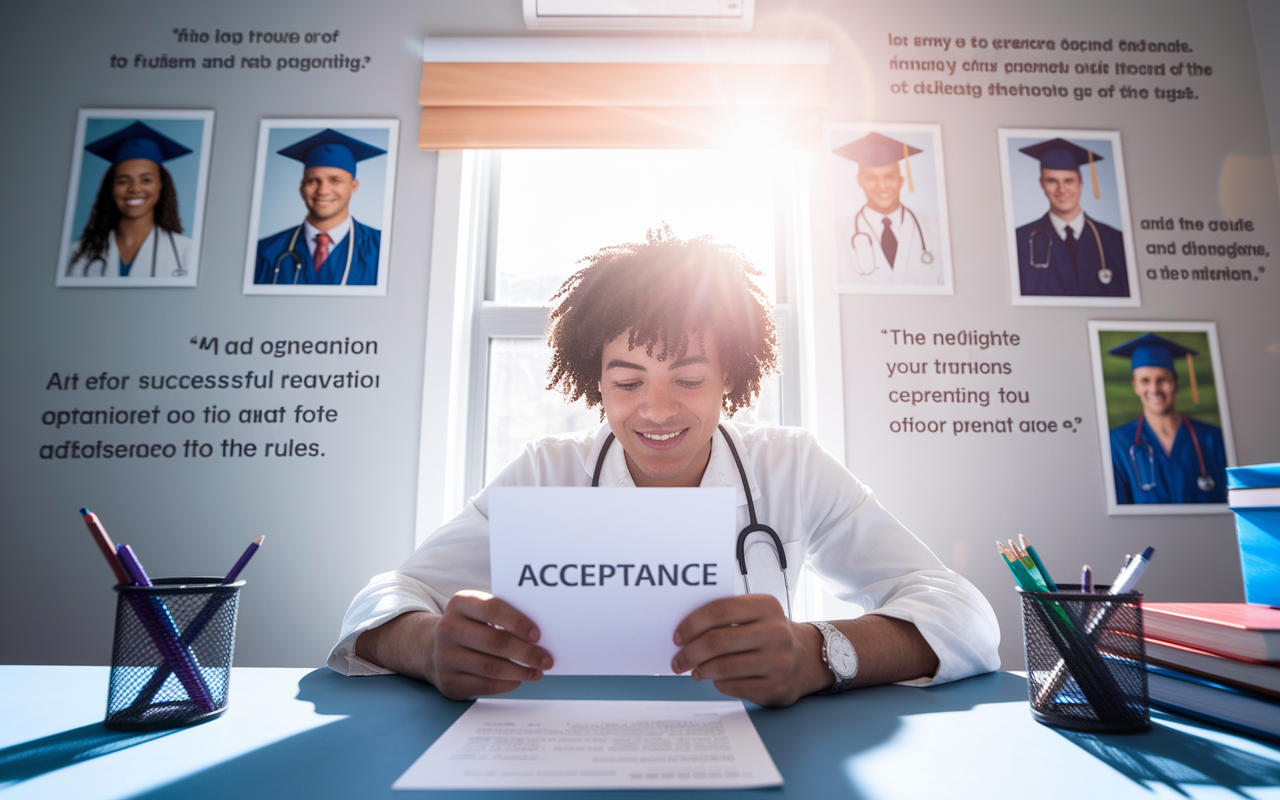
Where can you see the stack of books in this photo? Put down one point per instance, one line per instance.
(1216, 661)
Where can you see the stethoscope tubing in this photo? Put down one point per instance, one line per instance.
(177, 259)
(1195, 440)
(925, 256)
(292, 252)
(1097, 238)
(754, 527)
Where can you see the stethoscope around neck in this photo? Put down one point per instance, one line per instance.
(1104, 275)
(1204, 482)
(755, 527)
(178, 272)
(872, 240)
(292, 253)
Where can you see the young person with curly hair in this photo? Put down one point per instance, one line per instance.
(134, 229)
(666, 337)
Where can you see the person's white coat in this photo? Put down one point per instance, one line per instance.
(917, 262)
(171, 253)
(827, 520)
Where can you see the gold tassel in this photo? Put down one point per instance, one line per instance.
(1195, 390)
(906, 157)
(1093, 173)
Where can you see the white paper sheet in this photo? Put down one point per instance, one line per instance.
(596, 744)
(641, 559)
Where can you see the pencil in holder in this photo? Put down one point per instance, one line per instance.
(1086, 661)
(171, 660)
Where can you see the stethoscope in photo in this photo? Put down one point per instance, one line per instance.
(177, 273)
(292, 253)
(754, 527)
(1104, 274)
(1148, 481)
(870, 240)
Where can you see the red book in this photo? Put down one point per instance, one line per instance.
(1237, 630)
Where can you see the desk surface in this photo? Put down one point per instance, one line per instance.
(315, 734)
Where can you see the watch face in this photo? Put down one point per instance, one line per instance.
(841, 657)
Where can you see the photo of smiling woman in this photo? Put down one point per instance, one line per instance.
(133, 180)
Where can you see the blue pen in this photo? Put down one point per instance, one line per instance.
(164, 631)
(1086, 579)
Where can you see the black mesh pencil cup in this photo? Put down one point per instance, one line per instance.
(1086, 663)
(171, 661)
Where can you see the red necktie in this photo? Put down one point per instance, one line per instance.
(322, 250)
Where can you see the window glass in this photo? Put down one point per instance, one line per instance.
(559, 206)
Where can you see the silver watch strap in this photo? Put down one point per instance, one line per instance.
(829, 631)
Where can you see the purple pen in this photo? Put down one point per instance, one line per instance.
(163, 630)
(244, 559)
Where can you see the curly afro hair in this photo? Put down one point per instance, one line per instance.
(659, 293)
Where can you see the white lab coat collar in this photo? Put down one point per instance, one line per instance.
(1060, 225)
(721, 470)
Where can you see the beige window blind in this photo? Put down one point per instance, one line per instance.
(622, 93)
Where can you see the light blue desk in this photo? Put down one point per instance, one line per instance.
(297, 733)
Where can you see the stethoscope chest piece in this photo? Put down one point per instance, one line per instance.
(1104, 277)
(926, 257)
(1205, 483)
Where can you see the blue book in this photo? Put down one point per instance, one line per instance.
(1251, 713)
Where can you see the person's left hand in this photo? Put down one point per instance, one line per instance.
(752, 651)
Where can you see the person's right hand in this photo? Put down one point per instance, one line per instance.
(476, 644)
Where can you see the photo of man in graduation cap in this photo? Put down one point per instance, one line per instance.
(887, 241)
(1067, 252)
(134, 228)
(329, 247)
(1163, 422)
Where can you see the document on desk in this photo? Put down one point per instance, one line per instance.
(596, 744)
(608, 573)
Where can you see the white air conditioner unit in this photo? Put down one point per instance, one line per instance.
(640, 15)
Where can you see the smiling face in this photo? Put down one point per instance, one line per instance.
(664, 413)
(1157, 388)
(1062, 187)
(881, 185)
(327, 192)
(135, 187)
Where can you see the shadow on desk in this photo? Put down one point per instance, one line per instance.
(27, 760)
(1167, 756)
(388, 721)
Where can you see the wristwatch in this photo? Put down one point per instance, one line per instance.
(839, 656)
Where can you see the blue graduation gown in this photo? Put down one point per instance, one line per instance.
(273, 251)
(1175, 473)
(1059, 278)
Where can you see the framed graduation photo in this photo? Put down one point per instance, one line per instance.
(320, 221)
(1067, 225)
(1162, 416)
(135, 204)
(889, 207)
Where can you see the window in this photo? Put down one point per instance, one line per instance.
(546, 210)
(509, 228)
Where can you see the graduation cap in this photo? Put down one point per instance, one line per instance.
(1061, 154)
(137, 141)
(1150, 350)
(328, 148)
(877, 150)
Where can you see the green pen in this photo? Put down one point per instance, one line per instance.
(1044, 571)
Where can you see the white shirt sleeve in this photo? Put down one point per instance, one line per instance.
(865, 556)
(453, 558)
